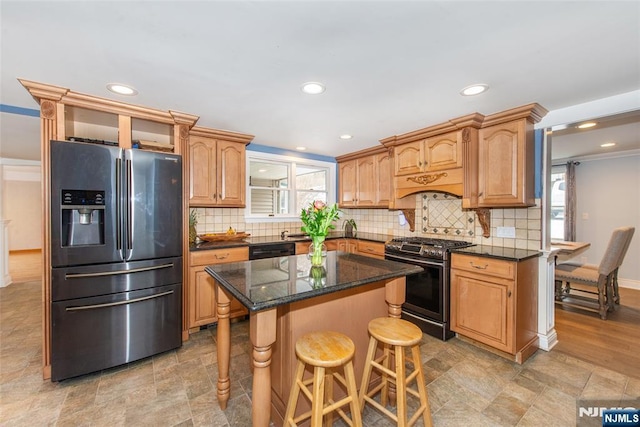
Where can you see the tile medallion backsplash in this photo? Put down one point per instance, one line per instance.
(443, 214)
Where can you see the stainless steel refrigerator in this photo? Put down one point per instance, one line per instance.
(116, 256)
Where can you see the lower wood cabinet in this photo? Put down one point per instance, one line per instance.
(494, 302)
(354, 246)
(202, 287)
(348, 245)
(369, 248)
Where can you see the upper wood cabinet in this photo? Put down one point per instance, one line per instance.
(431, 154)
(504, 173)
(217, 168)
(505, 165)
(429, 159)
(364, 179)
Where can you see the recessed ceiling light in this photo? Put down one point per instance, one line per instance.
(262, 170)
(474, 89)
(313, 88)
(301, 148)
(586, 125)
(346, 136)
(607, 144)
(121, 89)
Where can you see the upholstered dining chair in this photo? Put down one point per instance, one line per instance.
(601, 276)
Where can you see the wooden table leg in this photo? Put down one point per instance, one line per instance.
(395, 291)
(262, 332)
(223, 338)
(395, 294)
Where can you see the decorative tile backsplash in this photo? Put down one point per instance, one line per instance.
(445, 218)
(443, 214)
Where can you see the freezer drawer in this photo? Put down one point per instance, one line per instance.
(103, 279)
(91, 334)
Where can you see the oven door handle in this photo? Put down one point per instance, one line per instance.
(413, 261)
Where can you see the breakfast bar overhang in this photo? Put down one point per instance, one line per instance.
(286, 298)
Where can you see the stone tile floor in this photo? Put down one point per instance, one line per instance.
(467, 385)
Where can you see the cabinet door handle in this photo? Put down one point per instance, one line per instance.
(219, 196)
(509, 294)
(479, 267)
(215, 196)
(225, 256)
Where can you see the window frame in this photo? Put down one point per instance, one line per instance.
(557, 170)
(292, 162)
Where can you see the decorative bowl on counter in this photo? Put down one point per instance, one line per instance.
(221, 237)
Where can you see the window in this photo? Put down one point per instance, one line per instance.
(557, 202)
(279, 187)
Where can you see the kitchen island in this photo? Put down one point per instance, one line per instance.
(285, 300)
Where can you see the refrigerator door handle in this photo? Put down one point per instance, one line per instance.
(114, 304)
(128, 202)
(118, 205)
(115, 273)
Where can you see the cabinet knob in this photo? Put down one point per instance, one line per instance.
(219, 196)
(509, 294)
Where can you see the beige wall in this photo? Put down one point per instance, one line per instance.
(22, 205)
(608, 196)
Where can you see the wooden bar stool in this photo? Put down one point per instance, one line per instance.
(325, 351)
(395, 335)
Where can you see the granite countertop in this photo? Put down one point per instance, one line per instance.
(267, 283)
(499, 252)
(263, 240)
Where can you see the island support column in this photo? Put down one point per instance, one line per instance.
(395, 294)
(223, 337)
(395, 291)
(262, 332)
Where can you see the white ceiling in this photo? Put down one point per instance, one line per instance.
(389, 66)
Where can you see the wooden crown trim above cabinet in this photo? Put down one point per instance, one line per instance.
(533, 112)
(362, 153)
(222, 134)
(473, 120)
(78, 99)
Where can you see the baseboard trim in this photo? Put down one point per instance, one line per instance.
(629, 283)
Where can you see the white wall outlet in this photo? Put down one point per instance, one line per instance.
(585, 215)
(506, 232)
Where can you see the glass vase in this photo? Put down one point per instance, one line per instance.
(317, 277)
(317, 250)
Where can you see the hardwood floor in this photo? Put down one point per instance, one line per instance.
(25, 266)
(613, 343)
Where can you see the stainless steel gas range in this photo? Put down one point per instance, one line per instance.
(427, 300)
